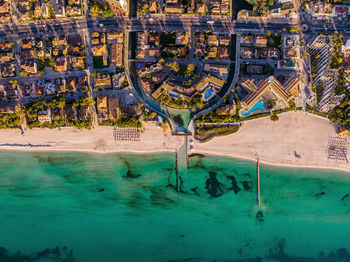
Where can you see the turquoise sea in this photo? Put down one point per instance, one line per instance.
(124, 207)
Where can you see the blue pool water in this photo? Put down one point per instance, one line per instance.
(208, 93)
(260, 105)
(140, 65)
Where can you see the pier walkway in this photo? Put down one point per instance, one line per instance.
(258, 183)
(181, 163)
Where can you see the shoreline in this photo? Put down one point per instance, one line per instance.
(91, 151)
(276, 143)
(217, 154)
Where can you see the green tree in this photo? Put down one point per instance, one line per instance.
(76, 103)
(95, 10)
(107, 12)
(86, 101)
(190, 69)
(51, 12)
(128, 121)
(57, 102)
(175, 66)
(274, 117)
(294, 29)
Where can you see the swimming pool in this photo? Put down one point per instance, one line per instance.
(260, 105)
(208, 93)
(140, 65)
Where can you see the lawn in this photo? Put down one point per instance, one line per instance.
(206, 133)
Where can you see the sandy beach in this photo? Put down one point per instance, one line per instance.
(98, 140)
(273, 142)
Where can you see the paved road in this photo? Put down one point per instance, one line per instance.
(154, 23)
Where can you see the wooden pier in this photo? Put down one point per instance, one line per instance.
(258, 184)
(181, 163)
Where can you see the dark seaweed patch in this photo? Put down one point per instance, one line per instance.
(58, 160)
(131, 175)
(160, 198)
(169, 169)
(126, 162)
(181, 190)
(136, 201)
(171, 186)
(236, 172)
(196, 155)
(197, 164)
(247, 185)
(234, 185)
(56, 254)
(260, 216)
(213, 186)
(75, 177)
(320, 194)
(280, 255)
(194, 190)
(247, 175)
(277, 254)
(344, 197)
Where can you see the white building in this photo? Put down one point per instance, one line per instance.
(326, 78)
